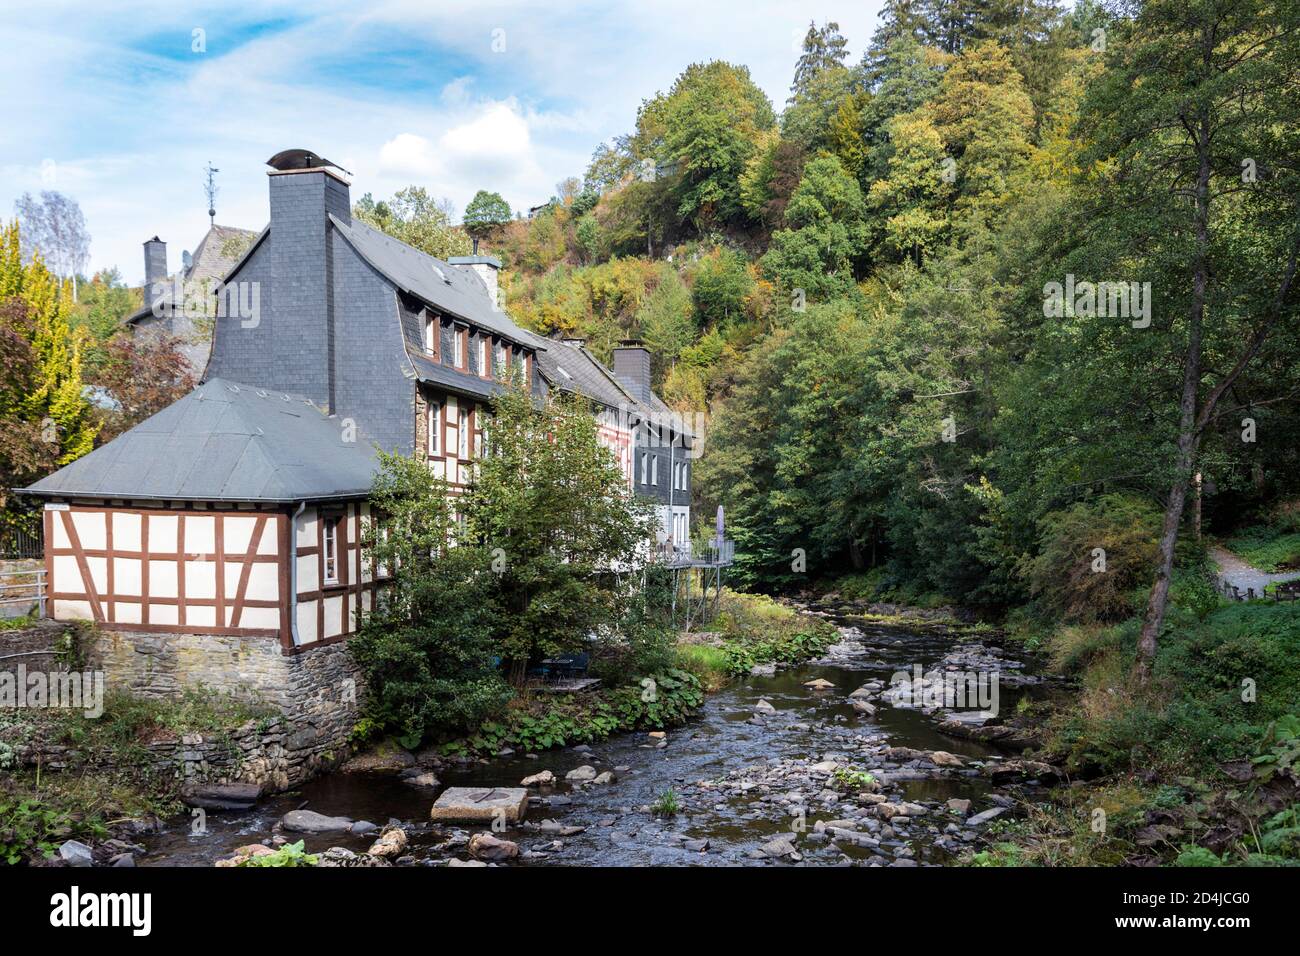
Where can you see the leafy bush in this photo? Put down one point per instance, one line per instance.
(660, 701)
(29, 829)
(1063, 577)
(291, 854)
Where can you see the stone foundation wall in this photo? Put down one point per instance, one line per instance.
(316, 691)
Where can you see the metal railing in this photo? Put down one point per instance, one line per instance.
(16, 543)
(21, 592)
(708, 553)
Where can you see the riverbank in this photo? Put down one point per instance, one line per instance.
(1199, 767)
(808, 764)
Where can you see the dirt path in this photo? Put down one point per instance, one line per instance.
(1233, 571)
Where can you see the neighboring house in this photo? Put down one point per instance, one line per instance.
(217, 253)
(219, 539)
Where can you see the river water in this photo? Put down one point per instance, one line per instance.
(741, 780)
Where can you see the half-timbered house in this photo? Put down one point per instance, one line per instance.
(219, 541)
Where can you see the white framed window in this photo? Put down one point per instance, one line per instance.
(500, 364)
(654, 471)
(433, 425)
(459, 349)
(484, 355)
(645, 463)
(431, 335)
(331, 536)
(462, 433)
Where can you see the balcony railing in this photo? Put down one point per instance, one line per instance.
(709, 553)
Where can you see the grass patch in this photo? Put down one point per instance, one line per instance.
(1268, 548)
(755, 629)
(111, 776)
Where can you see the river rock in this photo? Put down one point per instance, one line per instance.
(75, 853)
(543, 779)
(818, 683)
(605, 778)
(862, 693)
(390, 844)
(887, 811)
(657, 735)
(480, 803)
(484, 846)
(222, 796)
(780, 847)
(1012, 770)
(387, 755)
(422, 780)
(862, 707)
(763, 670)
(941, 758)
(959, 805)
(309, 821)
(559, 829)
(582, 774)
(363, 827)
(764, 706)
(826, 766)
(986, 816)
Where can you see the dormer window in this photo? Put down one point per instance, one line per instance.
(461, 334)
(431, 334)
(484, 356)
(500, 365)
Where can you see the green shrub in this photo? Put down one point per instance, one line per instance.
(30, 830)
(563, 720)
(1063, 577)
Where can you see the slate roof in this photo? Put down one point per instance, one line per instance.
(570, 367)
(223, 442)
(211, 260)
(453, 290)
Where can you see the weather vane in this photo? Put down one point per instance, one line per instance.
(210, 188)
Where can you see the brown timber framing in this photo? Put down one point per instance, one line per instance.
(103, 606)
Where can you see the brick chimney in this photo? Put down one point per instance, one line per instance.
(155, 270)
(485, 267)
(632, 367)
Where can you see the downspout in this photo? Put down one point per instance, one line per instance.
(293, 572)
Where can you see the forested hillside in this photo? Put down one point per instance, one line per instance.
(880, 291)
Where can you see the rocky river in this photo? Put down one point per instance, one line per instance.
(833, 762)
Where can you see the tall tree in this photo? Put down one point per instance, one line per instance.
(54, 226)
(711, 121)
(487, 212)
(1195, 149)
(56, 398)
(414, 217)
(824, 48)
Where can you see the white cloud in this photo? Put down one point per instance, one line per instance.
(401, 92)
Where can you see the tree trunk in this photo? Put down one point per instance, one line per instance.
(1188, 430)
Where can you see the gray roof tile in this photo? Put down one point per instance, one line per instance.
(223, 442)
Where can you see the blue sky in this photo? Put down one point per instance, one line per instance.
(119, 110)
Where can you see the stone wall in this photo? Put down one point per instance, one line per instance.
(316, 692)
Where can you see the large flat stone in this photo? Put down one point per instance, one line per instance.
(480, 803)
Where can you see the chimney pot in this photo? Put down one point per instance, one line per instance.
(155, 270)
